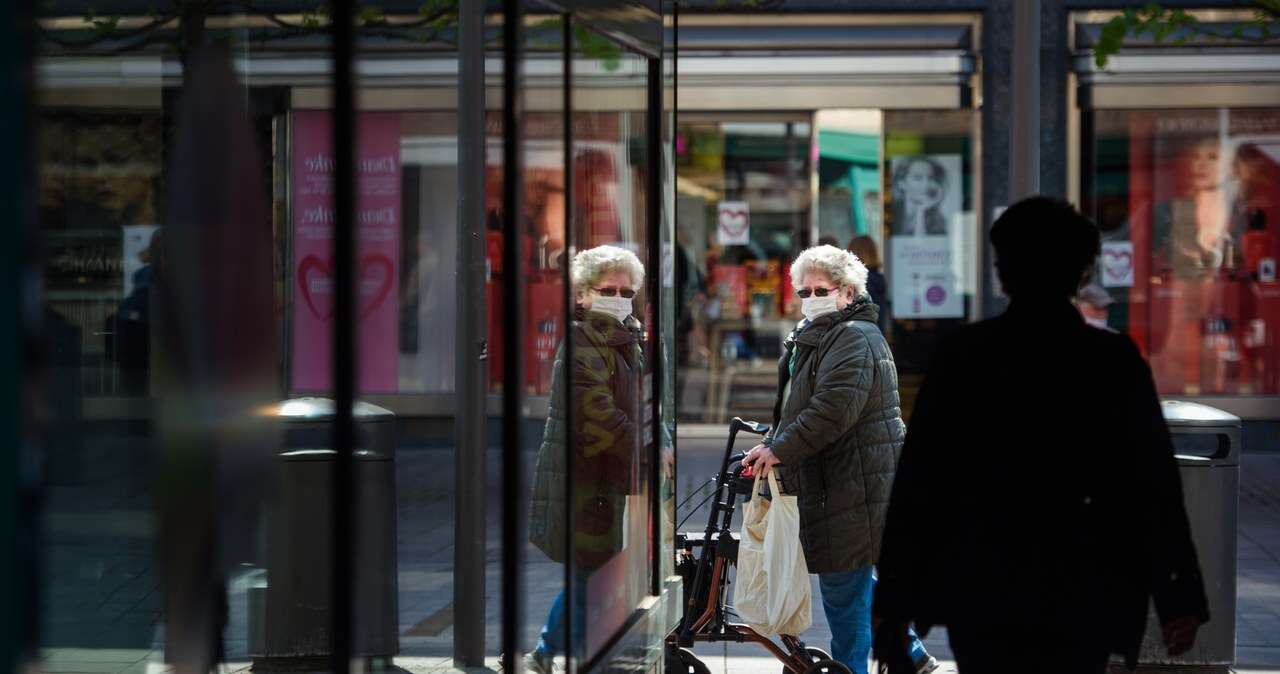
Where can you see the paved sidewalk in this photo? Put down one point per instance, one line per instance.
(1258, 576)
(102, 603)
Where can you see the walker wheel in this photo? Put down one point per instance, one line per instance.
(827, 666)
(817, 657)
(690, 664)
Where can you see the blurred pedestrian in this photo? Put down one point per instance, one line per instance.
(865, 249)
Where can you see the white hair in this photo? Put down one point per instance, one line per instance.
(589, 266)
(844, 268)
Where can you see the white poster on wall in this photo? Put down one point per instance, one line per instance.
(1117, 264)
(733, 223)
(927, 268)
(135, 252)
(925, 282)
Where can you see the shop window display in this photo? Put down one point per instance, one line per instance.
(1188, 202)
(743, 209)
(896, 185)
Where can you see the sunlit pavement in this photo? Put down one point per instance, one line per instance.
(102, 608)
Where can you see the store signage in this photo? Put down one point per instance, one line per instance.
(925, 283)
(1117, 264)
(733, 223)
(378, 178)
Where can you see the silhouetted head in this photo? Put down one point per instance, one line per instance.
(1044, 249)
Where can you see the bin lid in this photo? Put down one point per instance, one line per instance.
(317, 409)
(1182, 413)
(330, 455)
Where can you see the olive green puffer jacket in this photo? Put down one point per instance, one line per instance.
(839, 433)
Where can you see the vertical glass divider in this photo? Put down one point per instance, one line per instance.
(344, 333)
(470, 372)
(653, 213)
(570, 592)
(513, 355)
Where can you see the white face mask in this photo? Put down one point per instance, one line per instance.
(618, 307)
(1097, 322)
(812, 307)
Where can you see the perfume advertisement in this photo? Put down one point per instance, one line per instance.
(924, 250)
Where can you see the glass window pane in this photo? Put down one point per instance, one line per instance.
(743, 208)
(614, 338)
(1187, 204)
(554, 614)
(931, 233)
(163, 224)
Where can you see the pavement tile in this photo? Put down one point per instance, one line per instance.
(52, 667)
(124, 655)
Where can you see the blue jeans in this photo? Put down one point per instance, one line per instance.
(552, 641)
(846, 599)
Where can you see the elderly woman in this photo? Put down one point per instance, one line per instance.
(837, 433)
(604, 377)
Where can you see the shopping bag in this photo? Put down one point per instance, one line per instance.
(773, 595)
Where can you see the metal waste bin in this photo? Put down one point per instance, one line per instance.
(1206, 442)
(296, 603)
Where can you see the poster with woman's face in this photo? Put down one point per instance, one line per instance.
(926, 279)
(925, 193)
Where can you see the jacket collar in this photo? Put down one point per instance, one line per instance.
(606, 329)
(810, 333)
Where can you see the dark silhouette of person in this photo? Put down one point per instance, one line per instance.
(1037, 507)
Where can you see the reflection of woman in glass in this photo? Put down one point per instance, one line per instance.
(919, 186)
(601, 390)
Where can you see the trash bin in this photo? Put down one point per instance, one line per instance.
(296, 604)
(1206, 442)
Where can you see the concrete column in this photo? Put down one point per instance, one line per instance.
(1024, 122)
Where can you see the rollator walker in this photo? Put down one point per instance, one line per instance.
(703, 561)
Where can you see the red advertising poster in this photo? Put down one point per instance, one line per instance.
(1205, 204)
(378, 179)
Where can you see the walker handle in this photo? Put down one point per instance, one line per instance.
(749, 426)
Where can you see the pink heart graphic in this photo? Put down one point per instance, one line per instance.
(321, 304)
(734, 220)
(1117, 264)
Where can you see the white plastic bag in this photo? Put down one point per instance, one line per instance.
(773, 595)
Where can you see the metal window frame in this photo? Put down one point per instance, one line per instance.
(344, 333)
(512, 470)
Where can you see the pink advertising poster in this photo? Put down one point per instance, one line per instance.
(377, 266)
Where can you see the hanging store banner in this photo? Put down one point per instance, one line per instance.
(733, 223)
(378, 178)
(926, 272)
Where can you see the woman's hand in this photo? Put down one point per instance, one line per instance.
(761, 459)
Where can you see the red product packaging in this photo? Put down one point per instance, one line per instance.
(731, 286)
(545, 319)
